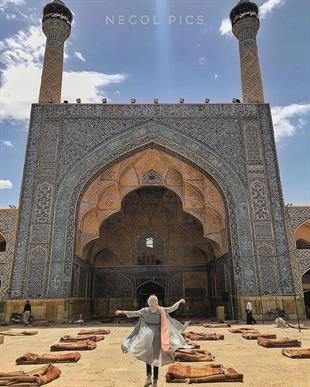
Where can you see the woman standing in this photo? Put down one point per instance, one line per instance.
(156, 336)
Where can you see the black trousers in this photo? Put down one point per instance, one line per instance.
(149, 371)
(249, 318)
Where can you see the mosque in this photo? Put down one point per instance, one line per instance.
(183, 200)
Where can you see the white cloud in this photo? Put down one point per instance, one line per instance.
(202, 60)
(6, 184)
(283, 117)
(117, 92)
(7, 143)
(23, 47)
(216, 76)
(87, 85)
(268, 6)
(80, 56)
(6, 3)
(225, 27)
(10, 16)
(301, 122)
(22, 55)
(264, 9)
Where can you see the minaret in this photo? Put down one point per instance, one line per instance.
(245, 24)
(56, 25)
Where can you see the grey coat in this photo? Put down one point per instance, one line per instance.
(144, 341)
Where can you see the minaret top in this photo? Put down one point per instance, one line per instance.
(57, 10)
(243, 9)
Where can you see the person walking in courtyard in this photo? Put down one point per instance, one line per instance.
(27, 312)
(249, 314)
(156, 336)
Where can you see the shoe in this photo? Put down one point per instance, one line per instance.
(148, 382)
(154, 383)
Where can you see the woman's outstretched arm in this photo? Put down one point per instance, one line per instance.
(175, 306)
(129, 313)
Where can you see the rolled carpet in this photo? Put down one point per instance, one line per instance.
(98, 331)
(192, 355)
(241, 330)
(296, 326)
(300, 353)
(19, 333)
(36, 377)
(68, 338)
(193, 343)
(200, 336)
(179, 373)
(218, 325)
(255, 335)
(276, 343)
(83, 345)
(46, 358)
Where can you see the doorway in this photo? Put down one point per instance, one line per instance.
(148, 288)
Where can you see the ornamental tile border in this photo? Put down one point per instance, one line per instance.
(276, 203)
(58, 118)
(142, 136)
(8, 225)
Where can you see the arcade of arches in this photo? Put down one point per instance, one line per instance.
(152, 224)
(302, 237)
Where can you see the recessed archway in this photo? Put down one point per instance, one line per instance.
(148, 288)
(150, 135)
(306, 290)
(302, 236)
(152, 239)
(2, 243)
(152, 167)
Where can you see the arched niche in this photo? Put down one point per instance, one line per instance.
(144, 232)
(152, 167)
(3, 245)
(302, 236)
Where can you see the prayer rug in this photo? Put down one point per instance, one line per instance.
(295, 326)
(216, 325)
(191, 355)
(36, 377)
(301, 353)
(84, 345)
(98, 331)
(195, 345)
(199, 336)
(45, 358)
(68, 338)
(179, 373)
(241, 330)
(255, 335)
(19, 333)
(276, 343)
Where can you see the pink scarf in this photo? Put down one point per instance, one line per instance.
(164, 331)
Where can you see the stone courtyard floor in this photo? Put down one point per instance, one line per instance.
(107, 366)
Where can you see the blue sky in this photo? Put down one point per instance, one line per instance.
(168, 49)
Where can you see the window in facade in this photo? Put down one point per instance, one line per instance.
(149, 242)
(302, 244)
(150, 250)
(2, 244)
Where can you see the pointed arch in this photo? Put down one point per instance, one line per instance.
(3, 244)
(152, 135)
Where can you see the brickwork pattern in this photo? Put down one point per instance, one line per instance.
(57, 32)
(8, 225)
(114, 132)
(245, 31)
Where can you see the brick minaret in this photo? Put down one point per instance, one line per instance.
(56, 24)
(245, 24)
